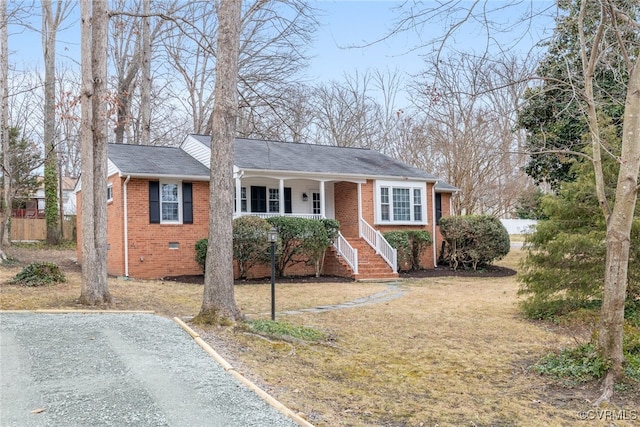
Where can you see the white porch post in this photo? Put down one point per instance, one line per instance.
(238, 210)
(360, 208)
(281, 198)
(322, 200)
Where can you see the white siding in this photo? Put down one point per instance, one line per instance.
(197, 150)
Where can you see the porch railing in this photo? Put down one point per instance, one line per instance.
(274, 214)
(347, 252)
(377, 241)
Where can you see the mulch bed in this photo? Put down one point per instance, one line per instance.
(440, 271)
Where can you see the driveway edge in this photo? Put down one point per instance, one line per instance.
(231, 370)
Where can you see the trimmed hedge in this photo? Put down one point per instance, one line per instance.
(473, 241)
(299, 240)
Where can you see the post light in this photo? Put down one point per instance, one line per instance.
(273, 238)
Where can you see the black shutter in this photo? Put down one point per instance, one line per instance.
(258, 199)
(287, 200)
(154, 202)
(438, 207)
(187, 203)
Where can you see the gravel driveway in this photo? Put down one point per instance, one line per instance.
(116, 370)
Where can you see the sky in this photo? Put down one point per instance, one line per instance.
(343, 24)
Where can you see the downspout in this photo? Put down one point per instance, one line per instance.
(126, 226)
(435, 236)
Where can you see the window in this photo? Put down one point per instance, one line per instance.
(170, 202)
(400, 203)
(315, 197)
(243, 199)
(384, 203)
(109, 192)
(274, 200)
(417, 204)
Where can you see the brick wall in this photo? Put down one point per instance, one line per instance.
(149, 252)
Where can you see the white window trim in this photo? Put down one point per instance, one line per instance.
(109, 190)
(411, 185)
(179, 185)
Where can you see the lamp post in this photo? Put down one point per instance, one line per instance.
(273, 238)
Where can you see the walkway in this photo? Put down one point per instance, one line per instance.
(392, 292)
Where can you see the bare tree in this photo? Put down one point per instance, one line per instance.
(272, 55)
(218, 301)
(469, 111)
(51, 21)
(94, 20)
(346, 114)
(145, 83)
(5, 206)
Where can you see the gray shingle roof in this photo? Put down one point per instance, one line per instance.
(153, 160)
(288, 156)
(443, 187)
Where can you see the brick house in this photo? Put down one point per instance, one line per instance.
(158, 203)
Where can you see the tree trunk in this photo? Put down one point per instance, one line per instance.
(610, 333)
(93, 133)
(49, 29)
(145, 84)
(218, 301)
(7, 200)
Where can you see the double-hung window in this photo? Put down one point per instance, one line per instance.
(170, 202)
(400, 202)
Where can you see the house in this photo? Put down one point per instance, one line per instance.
(32, 206)
(158, 202)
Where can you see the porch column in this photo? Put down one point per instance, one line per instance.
(238, 210)
(322, 200)
(359, 207)
(281, 198)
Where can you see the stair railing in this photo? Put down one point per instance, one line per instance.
(377, 241)
(347, 252)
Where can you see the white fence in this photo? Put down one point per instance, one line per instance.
(519, 226)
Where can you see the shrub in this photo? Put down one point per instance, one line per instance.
(302, 237)
(420, 240)
(318, 236)
(39, 274)
(399, 240)
(410, 246)
(250, 242)
(473, 241)
(201, 252)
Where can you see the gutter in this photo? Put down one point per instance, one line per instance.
(126, 228)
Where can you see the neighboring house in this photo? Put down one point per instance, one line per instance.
(158, 203)
(33, 205)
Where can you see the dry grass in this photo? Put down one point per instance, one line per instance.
(450, 352)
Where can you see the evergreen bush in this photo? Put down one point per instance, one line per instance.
(473, 241)
(39, 274)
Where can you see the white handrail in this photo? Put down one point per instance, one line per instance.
(377, 241)
(270, 215)
(346, 251)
